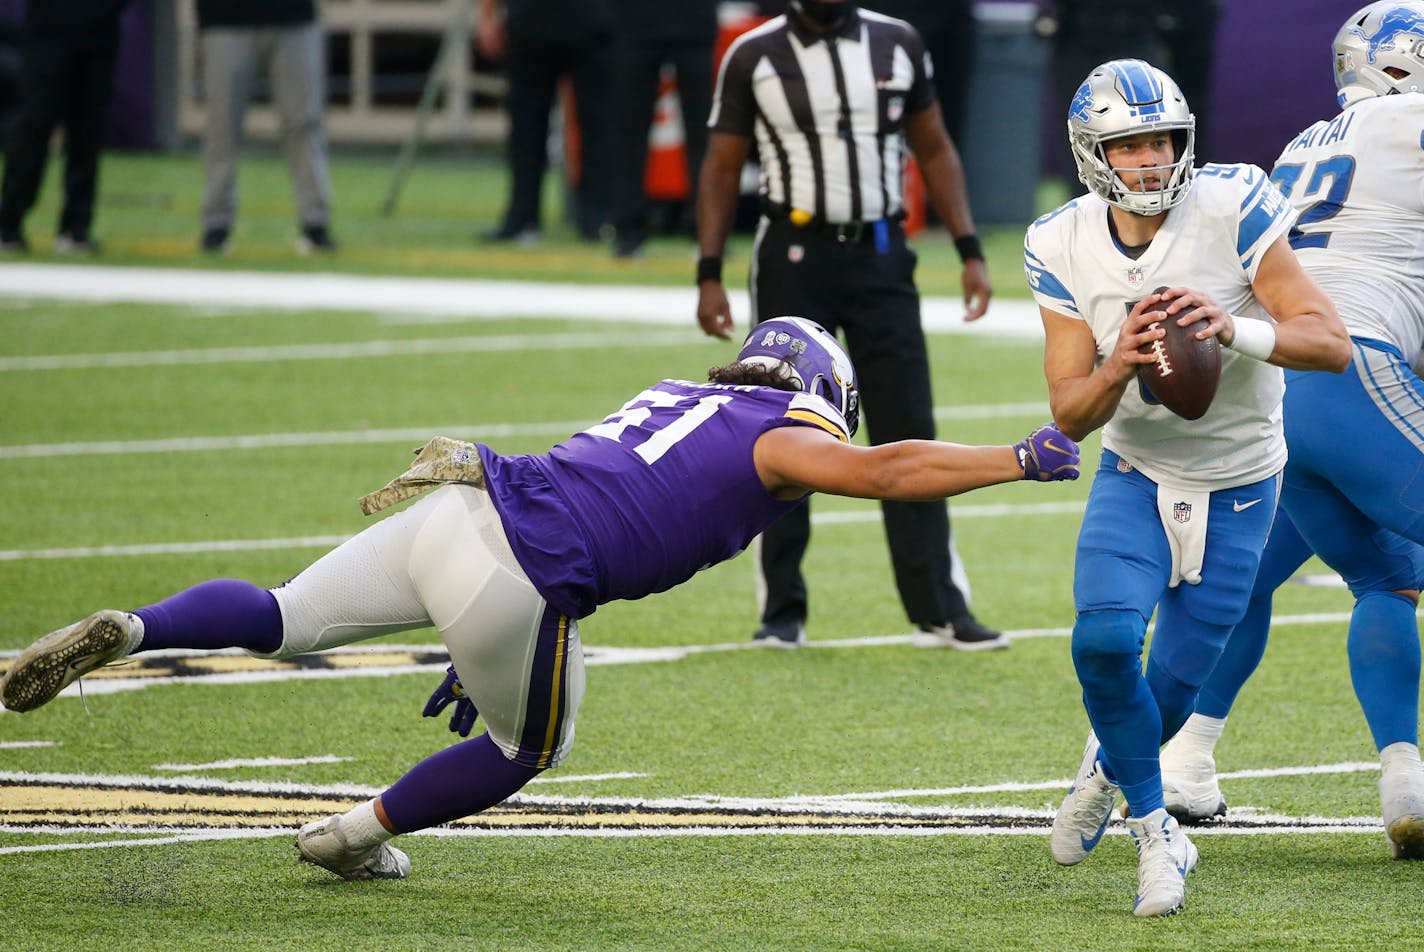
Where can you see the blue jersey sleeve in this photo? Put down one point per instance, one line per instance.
(1048, 287)
(1264, 215)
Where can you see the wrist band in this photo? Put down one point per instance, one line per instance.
(968, 247)
(1256, 339)
(709, 269)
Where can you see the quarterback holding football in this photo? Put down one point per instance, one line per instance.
(1180, 508)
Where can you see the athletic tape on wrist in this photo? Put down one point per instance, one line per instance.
(1256, 339)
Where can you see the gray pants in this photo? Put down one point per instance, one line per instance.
(295, 61)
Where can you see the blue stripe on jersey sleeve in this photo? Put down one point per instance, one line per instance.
(1260, 211)
(1046, 283)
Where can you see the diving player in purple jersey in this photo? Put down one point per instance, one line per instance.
(510, 551)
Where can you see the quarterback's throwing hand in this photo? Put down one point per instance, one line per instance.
(1047, 455)
(451, 691)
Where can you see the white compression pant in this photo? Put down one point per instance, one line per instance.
(446, 561)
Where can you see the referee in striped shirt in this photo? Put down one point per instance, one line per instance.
(832, 95)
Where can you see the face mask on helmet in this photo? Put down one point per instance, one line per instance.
(823, 12)
(813, 356)
(1380, 51)
(1123, 98)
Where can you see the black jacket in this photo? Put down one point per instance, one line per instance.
(250, 13)
(73, 17)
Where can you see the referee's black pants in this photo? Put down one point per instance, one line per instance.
(868, 293)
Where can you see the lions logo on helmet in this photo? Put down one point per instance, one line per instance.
(1123, 98)
(815, 359)
(1383, 36)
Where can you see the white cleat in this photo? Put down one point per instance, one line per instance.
(322, 843)
(1085, 811)
(1189, 782)
(61, 657)
(1401, 789)
(1164, 857)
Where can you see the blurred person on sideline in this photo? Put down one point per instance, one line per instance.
(652, 34)
(541, 42)
(69, 49)
(1180, 34)
(832, 95)
(510, 552)
(286, 40)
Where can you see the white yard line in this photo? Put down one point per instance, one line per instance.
(998, 820)
(479, 432)
(331, 541)
(434, 297)
(348, 350)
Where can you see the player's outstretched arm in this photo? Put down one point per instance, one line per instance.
(793, 461)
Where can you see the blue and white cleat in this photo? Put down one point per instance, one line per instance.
(1085, 811)
(1164, 857)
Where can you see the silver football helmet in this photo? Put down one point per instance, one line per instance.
(1386, 34)
(1122, 98)
(815, 359)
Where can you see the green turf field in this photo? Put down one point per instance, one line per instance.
(867, 795)
(148, 214)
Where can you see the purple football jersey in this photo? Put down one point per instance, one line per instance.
(642, 501)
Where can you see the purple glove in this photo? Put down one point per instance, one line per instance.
(462, 719)
(1047, 455)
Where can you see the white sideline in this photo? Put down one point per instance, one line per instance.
(476, 299)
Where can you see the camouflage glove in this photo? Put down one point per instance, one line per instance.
(462, 719)
(1047, 455)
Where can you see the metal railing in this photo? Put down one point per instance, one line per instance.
(385, 58)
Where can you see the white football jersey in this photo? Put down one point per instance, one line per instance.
(1356, 185)
(1212, 242)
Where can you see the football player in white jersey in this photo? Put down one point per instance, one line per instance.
(1174, 501)
(1356, 183)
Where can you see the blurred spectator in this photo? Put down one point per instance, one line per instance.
(542, 41)
(1178, 36)
(285, 38)
(68, 52)
(1189, 32)
(10, 70)
(651, 34)
(947, 27)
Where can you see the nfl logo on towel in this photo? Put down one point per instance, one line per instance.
(1182, 511)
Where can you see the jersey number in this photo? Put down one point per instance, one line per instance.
(669, 433)
(1339, 170)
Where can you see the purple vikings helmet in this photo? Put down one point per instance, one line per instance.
(814, 357)
(1382, 36)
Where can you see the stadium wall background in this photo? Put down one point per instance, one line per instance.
(1272, 76)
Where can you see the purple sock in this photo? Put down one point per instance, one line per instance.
(223, 613)
(458, 781)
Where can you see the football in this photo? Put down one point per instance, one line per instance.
(1184, 374)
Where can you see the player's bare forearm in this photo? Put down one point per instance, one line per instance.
(1312, 342)
(1083, 404)
(792, 461)
(1309, 332)
(922, 470)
